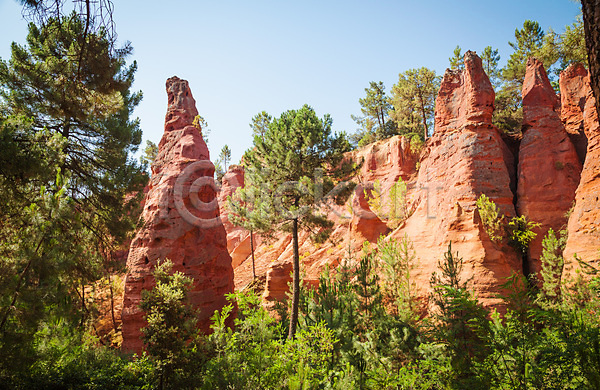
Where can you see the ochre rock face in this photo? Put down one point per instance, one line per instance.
(584, 221)
(466, 157)
(574, 92)
(463, 159)
(549, 167)
(466, 98)
(238, 238)
(181, 221)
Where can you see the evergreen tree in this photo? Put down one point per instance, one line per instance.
(251, 211)
(457, 60)
(490, 59)
(413, 99)
(552, 265)
(397, 261)
(149, 154)
(225, 156)
(260, 123)
(591, 21)
(508, 113)
(375, 106)
(528, 43)
(296, 146)
(86, 99)
(458, 315)
(66, 136)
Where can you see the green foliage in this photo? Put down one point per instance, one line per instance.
(149, 154)
(552, 265)
(397, 260)
(222, 162)
(413, 101)
(374, 123)
(492, 221)
(416, 144)
(389, 206)
(556, 51)
(520, 232)
(508, 112)
(260, 123)
(457, 60)
(296, 147)
(171, 320)
(528, 43)
(202, 125)
(458, 315)
(83, 95)
(490, 59)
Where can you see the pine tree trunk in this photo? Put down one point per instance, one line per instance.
(591, 25)
(296, 282)
(252, 250)
(424, 116)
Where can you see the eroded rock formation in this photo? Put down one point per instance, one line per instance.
(574, 90)
(584, 221)
(181, 221)
(465, 158)
(238, 238)
(549, 167)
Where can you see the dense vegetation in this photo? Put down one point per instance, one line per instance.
(67, 179)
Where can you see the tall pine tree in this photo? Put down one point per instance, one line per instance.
(295, 148)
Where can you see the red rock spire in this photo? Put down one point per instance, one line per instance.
(181, 221)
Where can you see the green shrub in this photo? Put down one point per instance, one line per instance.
(493, 222)
(520, 232)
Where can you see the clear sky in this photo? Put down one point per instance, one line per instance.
(242, 57)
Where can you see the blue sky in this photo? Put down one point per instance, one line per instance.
(242, 57)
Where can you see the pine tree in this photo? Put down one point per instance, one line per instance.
(458, 314)
(552, 265)
(86, 99)
(374, 123)
(296, 146)
(490, 59)
(457, 60)
(260, 123)
(66, 140)
(528, 43)
(251, 211)
(225, 156)
(413, 99)
(150, 153)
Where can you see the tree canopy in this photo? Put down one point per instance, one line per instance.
(283, 164)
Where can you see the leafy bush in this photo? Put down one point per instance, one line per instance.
(520, 232)
(493, 222)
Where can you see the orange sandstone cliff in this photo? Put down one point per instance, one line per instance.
(466, 157)
(584, 221)
(549, 166)
(181, 221)
(540, 176)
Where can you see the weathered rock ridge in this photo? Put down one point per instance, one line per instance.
(549, 167)
(540, 176)
(464, 158)
(584, 222)
(181, 221)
